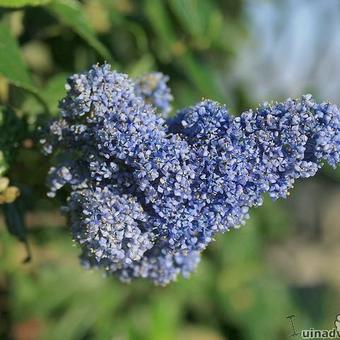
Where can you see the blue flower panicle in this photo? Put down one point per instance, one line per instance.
(146, 195)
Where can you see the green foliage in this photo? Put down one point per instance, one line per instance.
(200, 18)
(12, 130)
(54, 91)
(11, 63)
(15, 222)
(71, 14)
(21, 3)
(3, 163)
(169, 43)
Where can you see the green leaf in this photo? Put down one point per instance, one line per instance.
(202, 19)
(54, 92)
(13, 130)
(51, 93)
(21, 3)
(11, 63)
(194, 15)
(3, 163)
(72, 14)
(15, 222)
(144, 65)
(201, 76)
(159, 19)
(165, 321)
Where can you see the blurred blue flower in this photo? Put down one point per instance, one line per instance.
(153, 88)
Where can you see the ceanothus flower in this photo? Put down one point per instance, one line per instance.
(146, 195)
(153, 88)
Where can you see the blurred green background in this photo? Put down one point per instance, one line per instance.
(284, 261)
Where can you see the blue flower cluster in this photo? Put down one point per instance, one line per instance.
(147, 194)
(153, 88)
